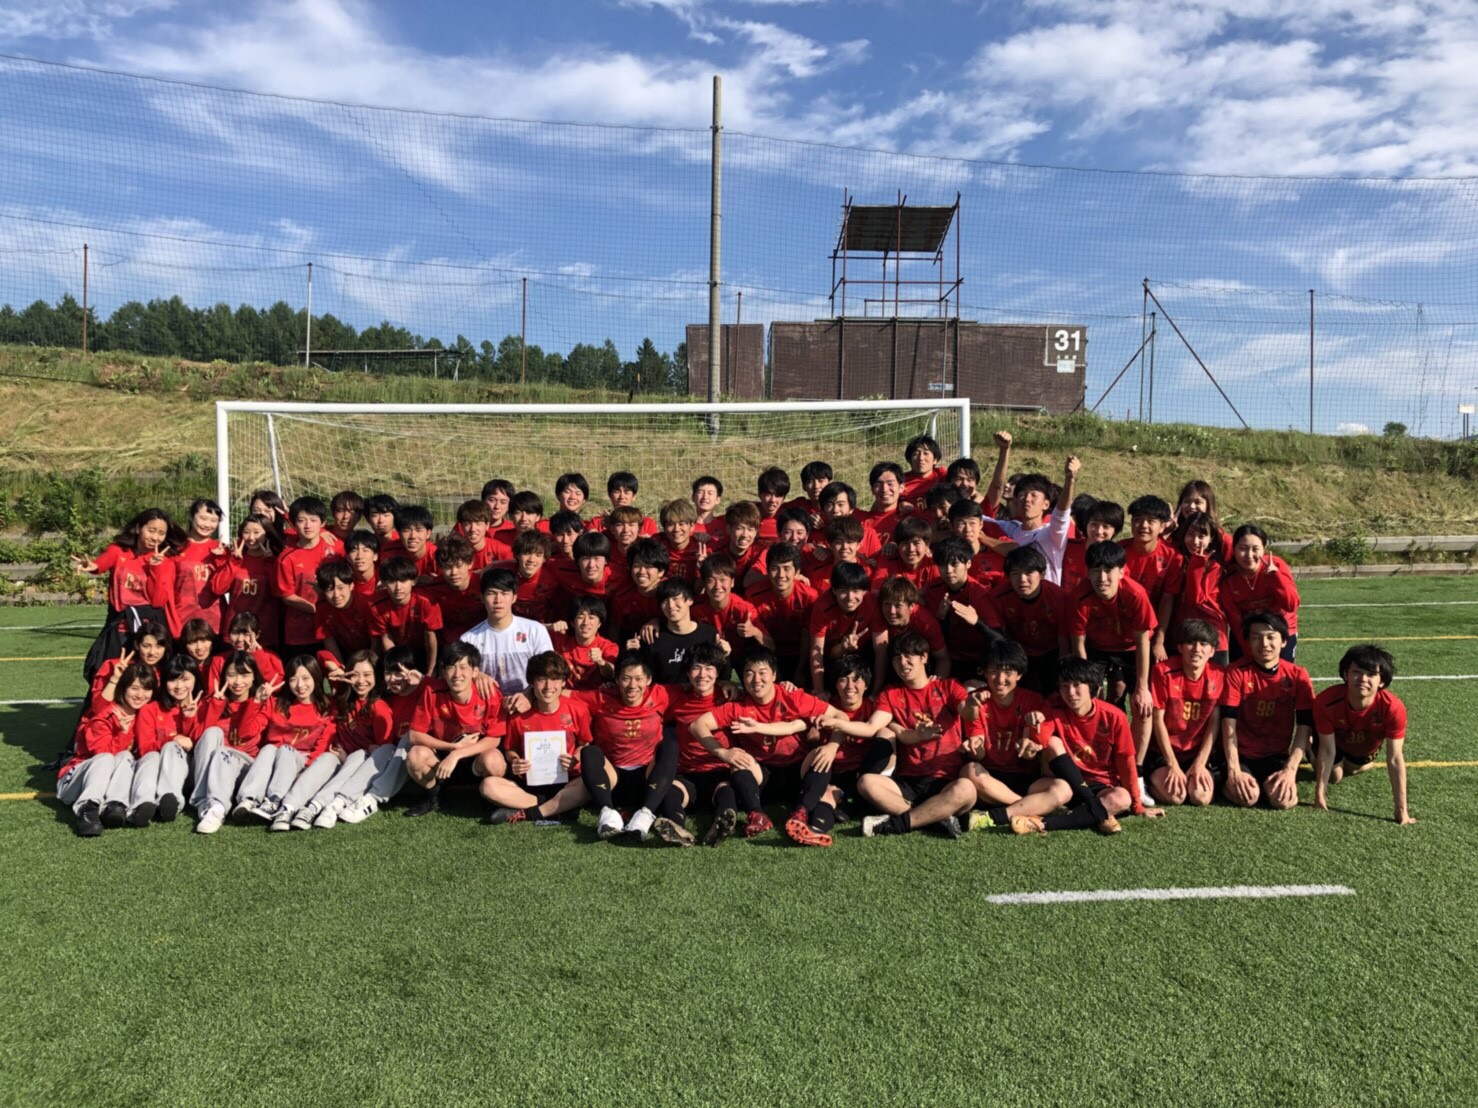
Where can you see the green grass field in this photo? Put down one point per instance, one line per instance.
(443, 960)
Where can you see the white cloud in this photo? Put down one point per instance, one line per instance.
(1352, 429)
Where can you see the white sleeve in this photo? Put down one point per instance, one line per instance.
(1054, 543)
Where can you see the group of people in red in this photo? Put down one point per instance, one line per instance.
(961, 653)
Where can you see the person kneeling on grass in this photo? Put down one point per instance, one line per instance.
(1268, 701)
(1182, 764)
(1088, 744)
(924, 713)
(456, 723)
(1354, 719)
(1002, 740)
(96, 780)
(551, 712)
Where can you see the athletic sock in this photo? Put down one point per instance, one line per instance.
(593, 775)
(672, 807)
(532, 813)
(998, 815)
(660, 772)
(813, 788)
(823, 818)
(1076, 817)
(723, 798)
(900, 824)
(1065, 769)
(747, 789)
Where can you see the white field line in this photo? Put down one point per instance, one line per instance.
(1210, 892)
(1384, 604)
(1408, 677)
(54, 627)
(59, 700)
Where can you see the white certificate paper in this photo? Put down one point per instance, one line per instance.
(542, 749)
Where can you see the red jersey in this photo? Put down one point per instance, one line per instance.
(682, 563)
(584, 674)
(571, 717)
(1267, 703)
(882, 522)
(784, 707)
(1188, 705)
(538, 596)
(1003, 727)
(787, 618)
(348, 626)
(626, 734)
(269, 665)
(1074, 564)
(441, 716)
(183, 583)
(922, 575)
(830, 623)
(1153, 570)
(157, 725)
(1101, 745)
(850, 749)
(1197, 590)
(243, 722)
(301, 726)
(964, 640)
(461, 609)
(988, 566)
(736, 613)
(631, 609)
(916, 487)
(1270, 589)
(683, 708)
(367, 589)
(130, 578)
(1110, 625)
(1359, 733)
(920, 623)
(297, 569)
(110, 732)
(937, 703)
(406, 624)
(366, 725)
(492, 551)
(247, 582)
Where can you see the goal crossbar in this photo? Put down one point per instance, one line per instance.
(225, 408)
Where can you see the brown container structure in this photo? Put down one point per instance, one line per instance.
(741, 360)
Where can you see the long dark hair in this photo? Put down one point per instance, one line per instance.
(319, 699)
(128, 538)
(345, 702)
(176, 665)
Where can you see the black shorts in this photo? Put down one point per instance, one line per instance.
(1041, 673)
(781, 784)
(1352, 759)
(1018, 781)
(543, 792)
(916, 790)
(700, 786)
(845, 782)
(1118, 665)
(1214, 765)
(631, 787)
(1263, 768)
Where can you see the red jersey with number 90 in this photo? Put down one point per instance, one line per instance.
(1188, 705)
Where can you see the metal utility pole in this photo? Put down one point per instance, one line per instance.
(715, 242)
(523, 338)
(1311, 361)
(308, 336)
(84, 299)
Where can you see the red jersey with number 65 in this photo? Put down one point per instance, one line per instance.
(1359, 733)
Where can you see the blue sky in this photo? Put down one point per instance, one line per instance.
(431, 219)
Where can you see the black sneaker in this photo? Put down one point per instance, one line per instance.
(141, 815)
(114, 814)
(89, 823)
(169, 807)
(427, 806)
(950, 828)
(722, 827)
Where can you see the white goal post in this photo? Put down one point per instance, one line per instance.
(441, 454)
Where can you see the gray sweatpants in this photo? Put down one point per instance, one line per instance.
(353, 777)
(218, 769)
(313, 778)
(102, 779)
(271, 775)
(158, 774)
(391, 778)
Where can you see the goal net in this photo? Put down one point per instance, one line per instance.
(440, 455)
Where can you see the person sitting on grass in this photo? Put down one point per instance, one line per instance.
(1267, 717)
(96, 780)
(1354, 719)
(1088, 744)
(551, 711)
(455, 725)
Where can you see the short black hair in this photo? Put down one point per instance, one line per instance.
(592, 544)
(1104, 555)
(649, 552)
(954, 551)
(708, 654)
(571, 480)
(829, 494)
(848, 665)
(1107, 512)
(565, 520)
(968, 466)
(458, 651)
(877, 471)
(307, 505)
(497, 580)
(850, 576)
(414, 515)
(816, 471)
(707, 480)
(910, 642)
(760, 656)
(361, 538)
(674, 587)
(1079, 671)
(773, 481)
(526, 501)
(622, 479)
(329, 572)
(1026, 559)
(398, 569)
(1152, 506)
(1270, 619)
(587, 604)
(782, 553)
(1372, 658)
(1198, 630)
(380, 504)
(922, 440)
(1006, 654)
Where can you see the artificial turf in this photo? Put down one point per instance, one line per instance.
(408, 961)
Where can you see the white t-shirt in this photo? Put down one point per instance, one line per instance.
(506, 653)
(1052, 538)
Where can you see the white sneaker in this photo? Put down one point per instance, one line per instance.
(640, 823)
(610, 824)
(1144, 795)
(282, 821)
(303, 819)
(330, 815)
(211, 820)
(870, 825)
(360, 810)
(245, 810)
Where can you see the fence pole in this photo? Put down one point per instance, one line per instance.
(1144, 319)
(84, 299)
(308, 334)
(523, 338)
(715, 243)
(1311, 361)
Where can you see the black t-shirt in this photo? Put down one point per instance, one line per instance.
(670, 652)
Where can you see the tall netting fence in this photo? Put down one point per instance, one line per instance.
(498, 250)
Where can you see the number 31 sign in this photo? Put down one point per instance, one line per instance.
(1066, 348)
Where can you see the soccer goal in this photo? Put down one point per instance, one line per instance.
(441, 454)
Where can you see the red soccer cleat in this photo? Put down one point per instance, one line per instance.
(757, 824)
